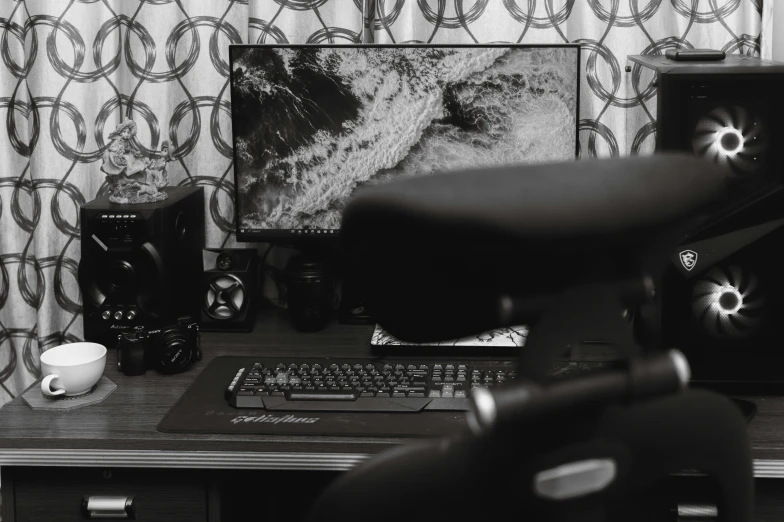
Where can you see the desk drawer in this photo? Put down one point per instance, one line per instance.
(56, 494)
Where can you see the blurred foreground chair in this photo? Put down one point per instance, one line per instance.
(572, 249)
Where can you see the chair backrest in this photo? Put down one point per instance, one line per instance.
(558, 469)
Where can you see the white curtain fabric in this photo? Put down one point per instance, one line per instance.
(70, 71)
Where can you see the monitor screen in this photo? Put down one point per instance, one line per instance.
(313, 123)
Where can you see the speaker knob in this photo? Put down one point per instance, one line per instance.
(118, 315)
(106, 315)
(130, 315)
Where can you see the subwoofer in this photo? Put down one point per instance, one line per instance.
(721, 300)
(230, 289)
(140, 264)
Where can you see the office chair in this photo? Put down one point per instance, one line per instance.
(573, 249)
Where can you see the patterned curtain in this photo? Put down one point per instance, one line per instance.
(72, 70)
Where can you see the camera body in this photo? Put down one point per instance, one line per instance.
(168, 350)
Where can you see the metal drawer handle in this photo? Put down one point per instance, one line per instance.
(98, 507)
(697, 512)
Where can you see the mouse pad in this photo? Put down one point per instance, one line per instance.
(203, 409)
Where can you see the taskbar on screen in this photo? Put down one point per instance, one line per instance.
(289, 232)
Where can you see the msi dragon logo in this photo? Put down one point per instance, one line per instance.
(688, 259)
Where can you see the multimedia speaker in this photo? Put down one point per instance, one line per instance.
(721, 299)
(140, 264)
(230, 289)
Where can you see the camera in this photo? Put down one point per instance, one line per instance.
(168, 350)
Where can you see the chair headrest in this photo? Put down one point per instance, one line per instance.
(436, 252)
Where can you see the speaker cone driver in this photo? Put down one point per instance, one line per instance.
(731, 137)
(225, 297)
(729, 302)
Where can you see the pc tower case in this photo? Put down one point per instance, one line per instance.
(141, 264)
(721, 300)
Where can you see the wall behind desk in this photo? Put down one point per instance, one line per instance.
(71, 71)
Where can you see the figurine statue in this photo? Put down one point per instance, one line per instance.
(134, 178)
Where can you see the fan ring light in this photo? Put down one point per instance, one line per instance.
(730, 140)
(729, 300)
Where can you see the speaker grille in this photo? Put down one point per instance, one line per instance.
(729, 302)
(731, 137)
(225, 297)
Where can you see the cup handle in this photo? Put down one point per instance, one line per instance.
(46, 386)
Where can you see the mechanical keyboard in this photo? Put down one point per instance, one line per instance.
(366, 385)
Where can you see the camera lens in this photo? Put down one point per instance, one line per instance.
(175, 353)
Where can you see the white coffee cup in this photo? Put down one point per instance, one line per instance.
(72, 369)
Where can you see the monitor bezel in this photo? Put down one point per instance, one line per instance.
(288, 236)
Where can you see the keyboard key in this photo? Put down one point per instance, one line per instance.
(460, 394)
(322, 396)
(416, 394)
(434, 393)
(405, 388)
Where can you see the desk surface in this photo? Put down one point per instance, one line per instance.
(121, 431)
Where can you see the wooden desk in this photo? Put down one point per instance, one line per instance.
(49, 460)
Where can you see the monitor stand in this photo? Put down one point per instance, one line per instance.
(352, 308)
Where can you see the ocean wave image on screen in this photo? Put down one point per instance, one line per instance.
(313, 125)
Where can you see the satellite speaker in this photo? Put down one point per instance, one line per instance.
(230, 289)
(721, 299)
(140, 264)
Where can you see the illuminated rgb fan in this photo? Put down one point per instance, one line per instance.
(730, 137)
(728, 303)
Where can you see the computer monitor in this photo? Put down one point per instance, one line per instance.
(313, 123)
